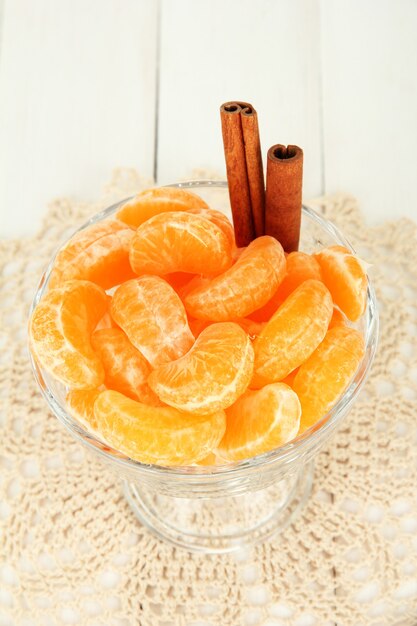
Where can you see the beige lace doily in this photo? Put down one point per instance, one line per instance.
(71, 551)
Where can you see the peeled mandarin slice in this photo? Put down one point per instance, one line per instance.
(80, 404)
(196, 282)
(220, 219)
(345, 278)
(197, 326)
(153, 317)
(106, 321)
(242, 289)
(289, 380)
(212, 375)
(260, 421)
(179, 280)
(210, 460)
(99, 253)
(252, 328)
(180, 242)
(300, 267)
(126, 369)
(249, 326)
(323, 378)
(338, 319)
(60, 330)
(292, 333)
(159, 200)
(159, 435)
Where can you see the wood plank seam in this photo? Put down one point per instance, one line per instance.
(157, 87)
(321, 98)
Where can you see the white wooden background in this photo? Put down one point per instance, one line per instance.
(87, 86)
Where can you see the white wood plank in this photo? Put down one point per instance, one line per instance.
(370, 103)
(266, 53)
(77, 98)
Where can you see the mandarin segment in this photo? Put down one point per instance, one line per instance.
(242, 289)
(221, 220)
(289, 380)
(80, 404)
(212, 375)
(292, 333)
(153, 317)
(180, 242)
(300, 267)
(179, 281)
(60, 330)
(99, 253)
(159, 435)
(152, 202)
(197, 326)
(126, 369)
(210, 460)
(196, 282)
(106, 321)
(345, 278)
(323, 378)
(260, 421)
(252, 328)
(338, 319)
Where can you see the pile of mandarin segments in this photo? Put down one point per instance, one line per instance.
(204, 353)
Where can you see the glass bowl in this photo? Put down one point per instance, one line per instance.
(222, 507)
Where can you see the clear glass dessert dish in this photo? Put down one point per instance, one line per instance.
(222, 507)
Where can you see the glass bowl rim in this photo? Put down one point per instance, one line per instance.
(283, 453)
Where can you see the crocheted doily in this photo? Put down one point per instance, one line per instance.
(72, 552)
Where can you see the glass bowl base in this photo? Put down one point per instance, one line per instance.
(222, 523)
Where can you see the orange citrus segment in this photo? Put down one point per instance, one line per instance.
(242, 289)
(99, 253)
(292, 333)
(126, 369)
(237, 253)
(159, 435)
(197, 326)
(289, 380)
(345, 278)
(196, 282)
(60, 330)
(179, 281)
(180, 242)
(159, 200)
(252, 328)
(300, 267)
(221, 221)
(210, 460)
(80, 404)
(212, 375)
(153, 317)
(106, 321)
(323, 378)
(338, 319)
(260, 421)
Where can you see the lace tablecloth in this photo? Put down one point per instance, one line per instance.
(71, 551)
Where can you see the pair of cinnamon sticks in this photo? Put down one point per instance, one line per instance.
(275, 211)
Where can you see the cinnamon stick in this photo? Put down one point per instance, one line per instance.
(244, 169)
(254, 167)
(284, 180)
